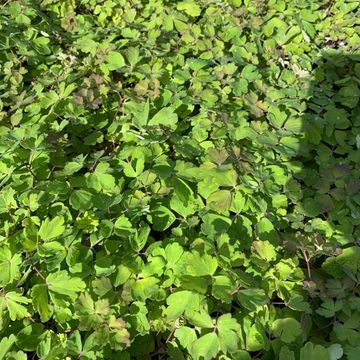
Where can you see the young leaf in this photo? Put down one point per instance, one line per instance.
(9, 266)
(51, 229)
(13, 302)
(5, 345)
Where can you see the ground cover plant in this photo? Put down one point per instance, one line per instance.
(179, 179)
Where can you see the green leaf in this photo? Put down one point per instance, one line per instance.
(265, 250)
(250, 72)
(348, 259)
(240, 87)
(40, 299)
(114, 61)
(329, 308)
(266, 231)
(123, 227)
(287, 329)
(9, 266)
(201, 265)
(138, 241)
(100, 181)
(222, 288)
(62, 284)
(145, 288)
(313, 352)
(335, 351)
(228, 329)
(214, 225)
(185, 209)
(255, 338)
(264, 226)
(276, 117)
(295, 125)
(178, 302)
(173, 254)
(182, 190)
(140, 112)
(51, 229)
(7, 200)
(185, 336)
(296, 302)
(162, 218)
(238, 203)
(200, 318)
(220, 201)
(205, 348)
(29, 337)
(5, 345)
(289, 146)
(286, 354)
(164, 117)
(173, 163)
(190, 7)
(123, 273)
(133, 55)
(241, 355)
(48, 99)
(72, 167)
(86, 44)
(251, 299)
(136, 166)
(81, 200)
(279, 201)
(13, 302)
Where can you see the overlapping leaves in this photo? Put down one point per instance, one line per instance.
(179, 179)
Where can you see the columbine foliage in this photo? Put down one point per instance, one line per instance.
(179, 179)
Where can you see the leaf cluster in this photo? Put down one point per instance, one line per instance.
(179, 179)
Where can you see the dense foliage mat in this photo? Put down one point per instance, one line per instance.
(180, 179)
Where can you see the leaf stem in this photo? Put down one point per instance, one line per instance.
(307, 260)
(39, 273)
